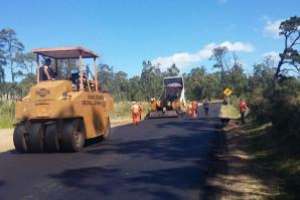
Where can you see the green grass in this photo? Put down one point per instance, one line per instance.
(229, 111)
(277, 157)
(7, 113)
(122, 110)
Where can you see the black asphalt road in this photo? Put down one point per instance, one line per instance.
(159, 159)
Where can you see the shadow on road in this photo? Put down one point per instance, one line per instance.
(1, 183)
(76, 178)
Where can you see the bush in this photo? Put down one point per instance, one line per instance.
(7, 114)
(260, 105)
(286, 109)
(280, 105)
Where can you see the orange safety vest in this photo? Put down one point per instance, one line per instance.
(243, 106)
(136, 113)
(135, 109)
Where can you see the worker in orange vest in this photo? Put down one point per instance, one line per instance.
(243, 108)
(189, 110)
(194, 113)
(136, 113)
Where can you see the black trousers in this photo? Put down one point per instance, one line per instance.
(243, 117)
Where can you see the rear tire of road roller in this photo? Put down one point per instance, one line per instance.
(73, 137)
(36, 137)
(51, 138)
(108, 130)
(19, 138)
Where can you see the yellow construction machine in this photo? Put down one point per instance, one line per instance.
(172, 100)
(62, 113)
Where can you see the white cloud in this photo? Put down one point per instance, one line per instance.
(184, 59)
(272, 28)
(273, 55)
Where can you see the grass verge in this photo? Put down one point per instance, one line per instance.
(234, 173)
(7, 113)
(277, 156)
(229, 111)
(122, 111)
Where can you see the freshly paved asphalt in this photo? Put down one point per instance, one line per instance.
(158, 159)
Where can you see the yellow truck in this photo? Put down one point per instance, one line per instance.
(62, 113)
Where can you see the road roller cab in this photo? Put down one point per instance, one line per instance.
(62, 113)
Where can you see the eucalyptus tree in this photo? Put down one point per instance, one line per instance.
(290, 30)
(218, 55)
(12, 47)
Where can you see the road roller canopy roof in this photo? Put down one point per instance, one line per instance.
(65, 52)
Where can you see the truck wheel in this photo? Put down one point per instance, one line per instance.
(19, 138)
(51, 138)
(36, 138)
(73, 137)
(108, 130)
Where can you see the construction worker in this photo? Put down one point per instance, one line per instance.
(46, 72)
(243, 108)
(153, 104)
(189, 110)
(206, 107)
(194, 109)
(136, 113)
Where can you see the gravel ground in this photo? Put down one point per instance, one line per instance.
(6, 140)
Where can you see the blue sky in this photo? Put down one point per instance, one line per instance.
(164, 31)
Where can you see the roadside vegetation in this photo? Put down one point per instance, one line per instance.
(7, 111)
(272, 135)
(275, 158)
(122, 112)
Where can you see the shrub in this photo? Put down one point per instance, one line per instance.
(286, 109)
(280, 105)
(7, 113)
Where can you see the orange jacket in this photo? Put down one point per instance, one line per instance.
(243, 106)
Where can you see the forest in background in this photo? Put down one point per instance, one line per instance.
(17, 74)
(272, 88)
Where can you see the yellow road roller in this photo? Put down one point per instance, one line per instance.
(62, 111)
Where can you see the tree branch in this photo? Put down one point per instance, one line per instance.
(297, 38)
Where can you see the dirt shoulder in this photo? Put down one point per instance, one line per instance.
(235, 174)
(6, 140)
(6, 135)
